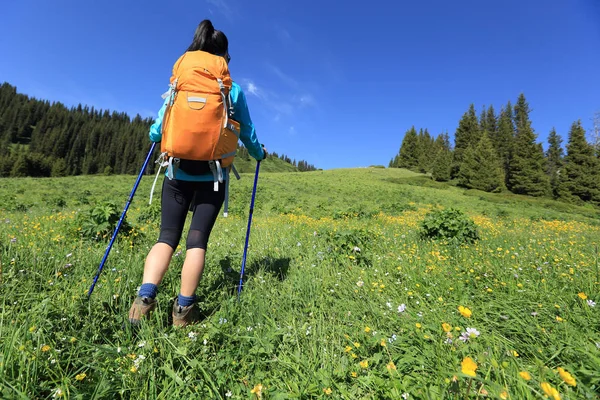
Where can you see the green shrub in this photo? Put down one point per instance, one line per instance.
(100, 222)
(449, 225)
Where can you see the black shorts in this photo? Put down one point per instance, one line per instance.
(179, 197)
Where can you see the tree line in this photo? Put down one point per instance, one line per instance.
(495, 152)
(40, 138)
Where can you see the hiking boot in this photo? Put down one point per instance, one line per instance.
(184, 316)
(141, 307)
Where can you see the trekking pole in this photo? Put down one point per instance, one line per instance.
(114, 236)
(248, 230)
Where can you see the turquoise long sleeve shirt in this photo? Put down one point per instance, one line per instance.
(241, 115)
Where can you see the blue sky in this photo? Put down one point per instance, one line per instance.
(334, 83)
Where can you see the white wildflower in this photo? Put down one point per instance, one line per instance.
(401, 308)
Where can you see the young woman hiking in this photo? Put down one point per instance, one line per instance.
(190, 187)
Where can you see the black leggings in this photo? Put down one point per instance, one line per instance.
(178, 197)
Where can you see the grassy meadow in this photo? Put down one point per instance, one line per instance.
(342, 299)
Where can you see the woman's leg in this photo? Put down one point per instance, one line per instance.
(206, 209)
(175, 202)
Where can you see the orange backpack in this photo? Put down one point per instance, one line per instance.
(198, 123)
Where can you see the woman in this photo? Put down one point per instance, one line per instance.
(190, 190)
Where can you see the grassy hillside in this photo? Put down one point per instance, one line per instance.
(342, 299)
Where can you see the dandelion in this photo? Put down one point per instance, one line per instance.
(550, 391)
(356, 344)
(354, 374)
(465, 312)
(401, 308)
(446, 327)
(391, 366)
(418, 325)
(257, 390)
(567, 377)
(582, 295)
(45, 348)
(353, 355)
(327, 391)
(591, 303)
(80, 377)
(364, 364)
(367, 329)
(468, 367)
(348, 349)
(382, 343)
(515, 354)
(525, 375)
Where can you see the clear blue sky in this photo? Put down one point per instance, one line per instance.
(334, 83)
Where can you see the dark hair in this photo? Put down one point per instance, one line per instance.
(208, 39)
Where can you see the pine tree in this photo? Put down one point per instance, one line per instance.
(582, 169)
(481, 168)
(504, 136)
(442, 165)
(409, 151)
(491, 122)
(467, 134)
(554, 162)
(426, 151)
(526, 171)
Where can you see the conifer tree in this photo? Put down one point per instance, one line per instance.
(481, 168)
(582, 169)
(554, 162)
(526, 171)
(467, 134)
(442, 165)
(504, 136)
(409, 151)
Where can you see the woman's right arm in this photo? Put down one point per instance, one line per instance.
(242, 115)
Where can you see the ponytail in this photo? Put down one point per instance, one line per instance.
(208, 39)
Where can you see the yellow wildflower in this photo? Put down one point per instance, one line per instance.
(367, 329)
(446, 327)
(567, 377)
(356, 344)
(327, 391)
(354, 374)
(45, 348)
(559, 319)
(514, 353)
(582, 296)
(504, 395)
(364, 364)
(133, 369)
(382, 343)
(257, 390)
(354, 355)
(525, 375)
(418, 325)
(468, 366)
(464, 311)
(348, 349)
(80, 377)
(550, 391)
(391, 366)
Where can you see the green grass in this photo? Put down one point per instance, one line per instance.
(313, 307)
